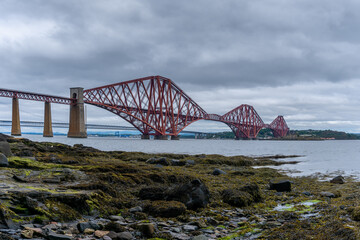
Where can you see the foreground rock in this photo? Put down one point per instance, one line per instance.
(280, 186)
(338, 180)
(3, 161)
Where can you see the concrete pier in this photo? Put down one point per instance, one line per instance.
(161, 137)
(48, 132)
(77, 127)
(15, 126)
(145, 136)
(175, 137)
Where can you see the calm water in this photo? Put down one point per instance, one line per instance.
(318, 157)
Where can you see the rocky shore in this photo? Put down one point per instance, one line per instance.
(54, 191)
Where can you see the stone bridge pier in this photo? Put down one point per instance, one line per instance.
(77, 128)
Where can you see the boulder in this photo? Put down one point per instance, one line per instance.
(176, 162)
(152, 193)
(115, 227)
(84, 225)
(327, 194)
(3, 161)
(5, 149)
(166, 208)
(217, 172)
(159, 161)
(147, 229)
(338, 180)
(136, 209)
(280, 186)
(243, 196)
(193, 194)
(120, 236)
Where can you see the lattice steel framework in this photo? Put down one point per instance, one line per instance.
(244, 121)
(154, 104)
(35, 96)
(279, 127)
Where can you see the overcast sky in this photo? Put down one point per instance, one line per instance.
(299, 58)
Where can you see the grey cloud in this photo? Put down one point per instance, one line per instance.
(49, 46)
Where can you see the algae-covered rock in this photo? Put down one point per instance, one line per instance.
(3, 161)
(237, 198)
(5, 148)
(193, 194)
(338, 180)
(280, 186)
(166, 208)
(152, 193)
(242, 196)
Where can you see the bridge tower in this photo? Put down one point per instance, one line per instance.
(48, 132)
(15, 125)
(77, 127)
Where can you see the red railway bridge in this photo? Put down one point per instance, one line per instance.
(154, 105)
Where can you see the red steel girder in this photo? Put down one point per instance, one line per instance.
(154, 105)
(244, 121)
(35, 96)
(279, 127)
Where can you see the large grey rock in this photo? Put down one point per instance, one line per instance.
(120, 236)
(5, 148)
(338, 180)
(3, 161)
(217, 172)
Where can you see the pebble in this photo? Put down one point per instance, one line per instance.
(136, 209)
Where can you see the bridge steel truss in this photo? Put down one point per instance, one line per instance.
(35, 96)
(154, 105)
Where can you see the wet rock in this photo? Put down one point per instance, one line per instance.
(306, 193)
(100, 234)
(3, 160)
(5, 148)
(115, 227)
(280, 186)
(116, 218)
(217, 172)
(243, 196)
(327, 194)
(200, 237)
(176, 162)
(152, 193)
(26, 233)
(159, 161)
(55, 236)
(120, 236)
(166, 208)
(190, 228)
(136, 209)
(147, 229)
(338, 180)
(190, 162)
(84, 225)
(89, 231)
(193, 194)
(35, 205)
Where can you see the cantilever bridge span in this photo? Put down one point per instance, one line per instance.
(154, 105)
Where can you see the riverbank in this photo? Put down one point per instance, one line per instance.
(55, 191)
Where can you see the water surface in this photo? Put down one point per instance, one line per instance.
(318, 157)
